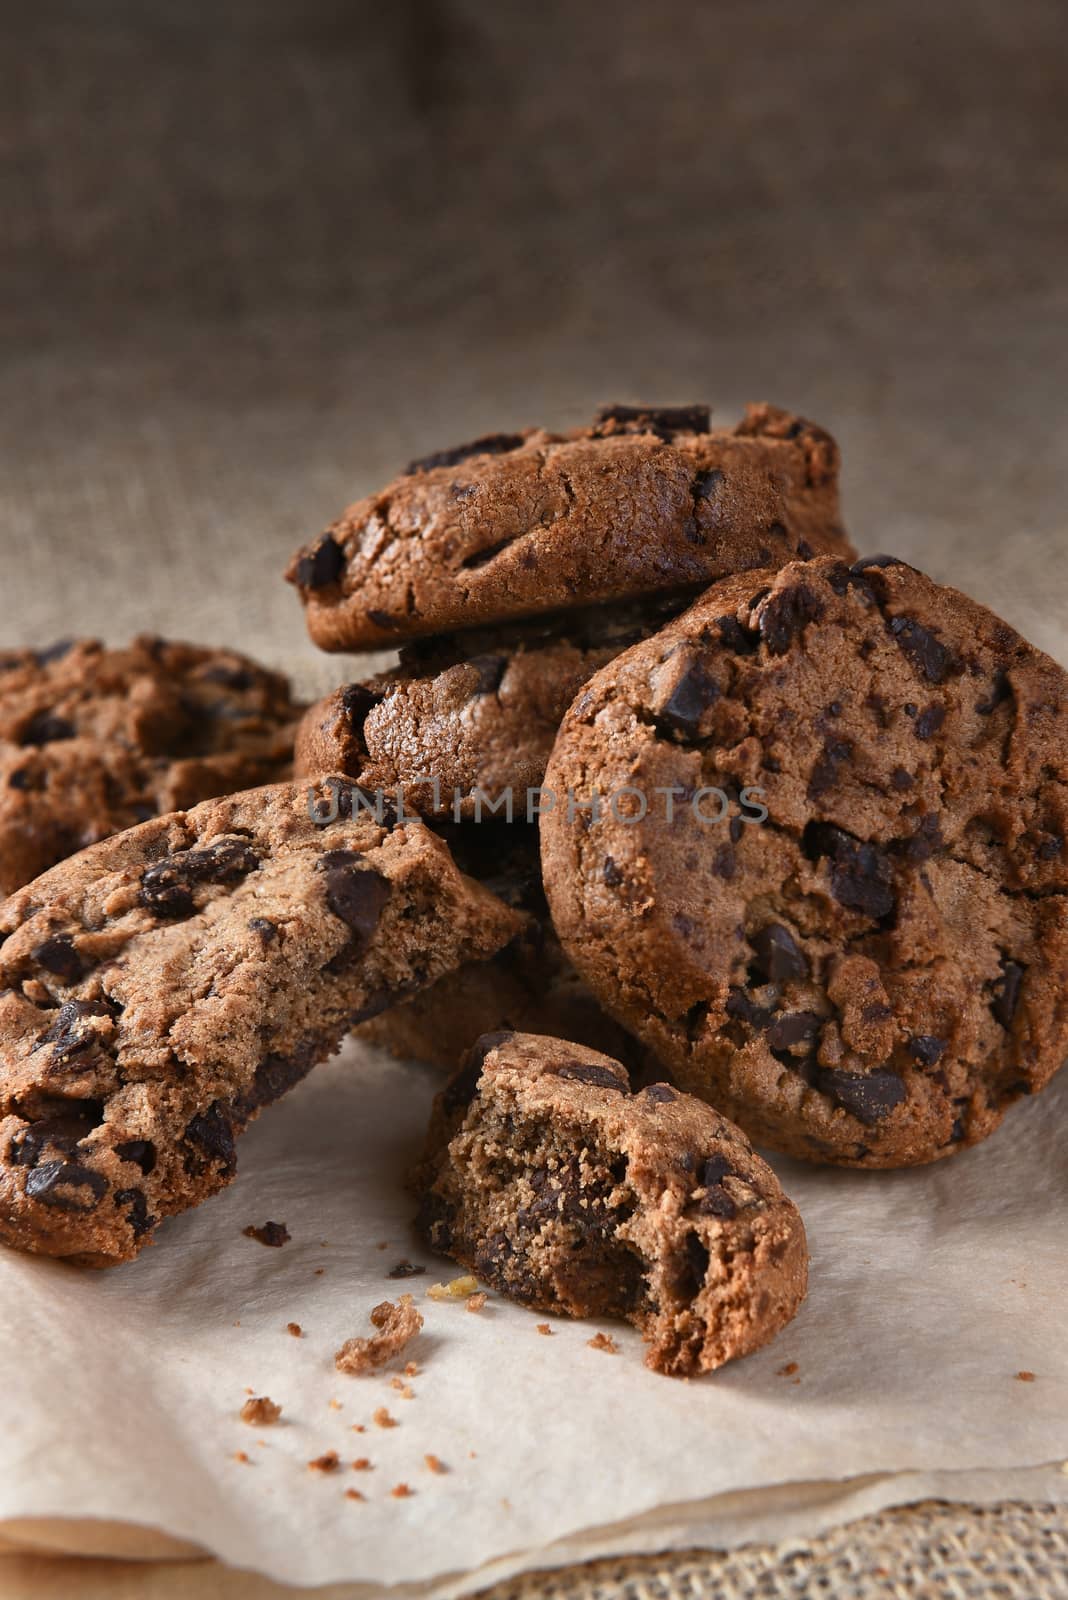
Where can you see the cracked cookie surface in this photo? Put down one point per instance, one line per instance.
(469, 717)
(874, 974)
(646, 499)
(95, 740)
(545, 1176)
(160, 988)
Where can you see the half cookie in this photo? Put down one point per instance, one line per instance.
(94, 740)
(159, 989)
(875, 973)
(549, 1179)
(467, 721)
(644, 500)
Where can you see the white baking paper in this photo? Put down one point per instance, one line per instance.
(931, 1291)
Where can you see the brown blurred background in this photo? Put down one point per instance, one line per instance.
(254, 255)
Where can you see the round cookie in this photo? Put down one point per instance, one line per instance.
(871, 976)
(528, 985)
(558, 1187)
(94, 740)
(160, 988)
(469, 718)
(644, 500)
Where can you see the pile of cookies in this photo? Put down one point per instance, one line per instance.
(671, 812)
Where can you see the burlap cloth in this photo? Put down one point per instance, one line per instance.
(253, 257)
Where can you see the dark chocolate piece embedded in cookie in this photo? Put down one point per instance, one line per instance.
(127, 1074)
(647, 499)
(467, 721)
(93, 741)
(545, 1176)
(875, 973)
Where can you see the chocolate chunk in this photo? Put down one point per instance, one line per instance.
(463, 1088)
(716, 1202)
(793, 1028)
(53, 652)
(167, 888)
(240, 679)
(275, 1076)
(63, 1130)
(862, 877)
(926, 1048)
(1051, 847)
(742, 641)
(901, 779)
(691, 697)
(21, 778)
(357, 702)
(779, 958)
(322, 565)
(141, 1152)
(67, 1036)
(355, 893)
(490, 670)
(611, 874)
(741, 1005)
(1008, 996)
(692, 1267)
(867, 1096)
(66, 1186)
(136, 1206)
(265, 928)
(927, 654)
(707, 484)
(786, 614)
(405, 1269)
(211, 1134)
(1000, 691)
(46, 728)
(825, 772)
(491, 444)
(929, 721)
(661, 1093)
(664, 421)
(877, 561)
(272, 1234)
(589, 1072)
(59, 956)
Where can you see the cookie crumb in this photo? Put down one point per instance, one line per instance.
(397, 1324)
(354, 1494)
(260, 1412)
(383, 1244)
(544, 1329)
(401, 1491)
(787, 1371)
(455, 1289)
(475, 1302)
(362, 1464)
(435, 1464)
(1026, 1377)
(319, 1271)
(325, 1463)
(295, 1329)
(272, 1234)
(244, 1458)
(405, 1269)
(411, 1370)
(603, 1341)
(383, 1419)
(358, 1427)
(335, 1405)
(405, 1390)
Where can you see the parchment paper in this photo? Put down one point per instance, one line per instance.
(931, 1291)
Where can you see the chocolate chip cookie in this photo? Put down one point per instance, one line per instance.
(646, 499)
(465, 724)
(549, 1179)
(160, 988)
(871, 976)
(94, 740)
(528, 985)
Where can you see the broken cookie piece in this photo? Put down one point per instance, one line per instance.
(547, 1177)
(397, 1325)
(145, 1020)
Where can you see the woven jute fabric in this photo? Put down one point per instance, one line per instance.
(255, 256)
